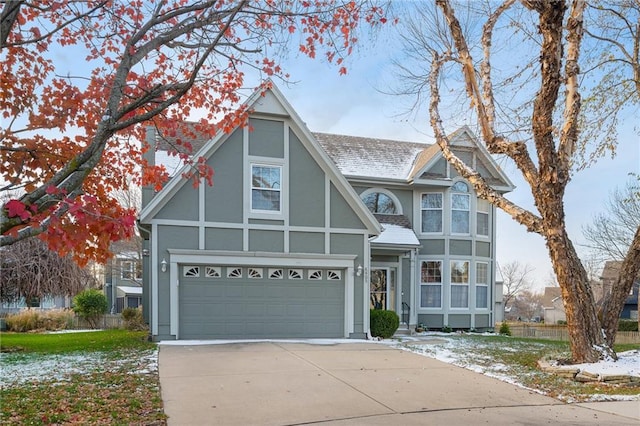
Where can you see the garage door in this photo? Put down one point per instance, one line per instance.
(232, 302)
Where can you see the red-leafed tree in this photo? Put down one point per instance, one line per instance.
(82, 79)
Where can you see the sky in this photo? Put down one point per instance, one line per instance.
(354, 104)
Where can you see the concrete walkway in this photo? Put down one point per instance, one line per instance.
(351, 384)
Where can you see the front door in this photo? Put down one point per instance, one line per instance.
(382, 289)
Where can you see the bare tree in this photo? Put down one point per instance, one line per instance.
(515, 276)
(30, 270)
(541, 139)
(611, 233)
(528, 305)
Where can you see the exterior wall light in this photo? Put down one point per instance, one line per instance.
(163, 265)
(359, 270)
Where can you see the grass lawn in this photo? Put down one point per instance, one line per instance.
(101, 377)
(516, 359)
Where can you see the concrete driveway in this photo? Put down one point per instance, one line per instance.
(275, 383)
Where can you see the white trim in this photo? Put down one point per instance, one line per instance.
(173, 299)
(272, 163)
(154, 279)
(201, 216)
(327, 214)
(265, 259)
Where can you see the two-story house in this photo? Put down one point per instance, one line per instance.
(303, 233)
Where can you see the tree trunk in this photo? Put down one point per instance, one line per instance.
(585, 335)
(613, 305)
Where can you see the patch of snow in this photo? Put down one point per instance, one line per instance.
(395, 234)
(72, 331)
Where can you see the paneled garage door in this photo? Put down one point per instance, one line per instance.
(229, 302)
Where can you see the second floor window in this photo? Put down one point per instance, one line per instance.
(482, 216)
(130, 270)
(266, 184)
(431, 207)
(460, 208)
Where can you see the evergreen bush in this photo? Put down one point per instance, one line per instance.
(504, 329)
(383, 323)
(91, 305)
(626, 325)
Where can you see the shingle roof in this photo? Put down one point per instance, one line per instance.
(372, 157)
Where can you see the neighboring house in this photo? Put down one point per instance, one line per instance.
(302, 233)
(609, 276)
(47, 302)
(123, 276)
(553, 306)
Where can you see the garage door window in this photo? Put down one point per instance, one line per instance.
(315, 274)
(234, 272)
(255, 273)
(191, 271)
(275, 274)
(212, 272)
(334, 275)
(295, 274)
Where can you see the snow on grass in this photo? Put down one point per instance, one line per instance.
(17, 368)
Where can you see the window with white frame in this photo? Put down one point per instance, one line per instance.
(130, 270)
(431, 207)
(431, 284)
(460, 208)
(482, 218)
(482, 285)
(459, 284)
(266, 185)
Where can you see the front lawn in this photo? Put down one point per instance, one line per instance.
(100, 377)
(515, 360)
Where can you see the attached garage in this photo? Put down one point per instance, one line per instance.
(252, 302)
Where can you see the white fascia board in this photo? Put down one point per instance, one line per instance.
(243, 258)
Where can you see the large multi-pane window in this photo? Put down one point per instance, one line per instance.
(459, 284)
(266, 186)
(482, 285)
(460, 208)
(431, 207)
(431, 284)
(482, 218)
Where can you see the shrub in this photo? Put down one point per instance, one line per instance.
(34, 319)
(447, 329)
(91, 305)
(504, 329)
(383, 323)
(562, 322)
(627, 325)
(133, 319)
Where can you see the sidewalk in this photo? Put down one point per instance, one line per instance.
(350, 384)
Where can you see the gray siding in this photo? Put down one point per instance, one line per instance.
(266, 138)
(184, 205)
(180, 237)
(266, 240)
(459, 321)
(306, 186)
(342, 214)
(482, 321)
(223, 200)
(460, 247)
(483, 249)
(223, 239)
(306, 242)
(432, 247)
(431, 321)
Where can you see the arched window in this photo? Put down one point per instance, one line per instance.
(381, 201)
(460, 208)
